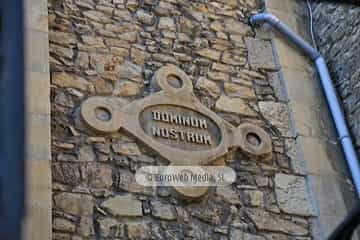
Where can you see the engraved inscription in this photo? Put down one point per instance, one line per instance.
(180, 127)
(179, 119)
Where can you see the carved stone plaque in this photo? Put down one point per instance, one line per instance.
(175, 124)
(180, 127)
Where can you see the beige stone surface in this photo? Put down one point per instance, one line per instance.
(301, 87)
(37, 51)
(38, 190)
(37, 223)
(37, 84)
(38, 200)
(320, 155)
(307, 119)
(36, 15)
(38, 137)
(317, 142)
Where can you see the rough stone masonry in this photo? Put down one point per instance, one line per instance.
(337, 37)
(112, 48)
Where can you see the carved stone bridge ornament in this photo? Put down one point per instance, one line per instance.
(176, 125)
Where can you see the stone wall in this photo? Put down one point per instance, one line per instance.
(337, 34)
(113, 48)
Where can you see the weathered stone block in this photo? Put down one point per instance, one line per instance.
(69, 80)
(62, 38)
(163, 211)
(237, 27)
(36, 15)
(276, 84)
(73, 203)
(234, 105)
(129, 149)
(66, 173)
(110, 227)
(292, 195)
(64, 225)
(96, 16)
(126, 181)
(272, 222)
(228, 194)
(235, 90)
(127, 89)
(277, 114)
(256, 198)
(145, 17)
(218, 76)
(99, 176)
(209, 53)
(139, 230)
(86, 154)
(167, 23)
(128, 70)
(260, 54)
(125, 205)
(86, 227)
(208, 86)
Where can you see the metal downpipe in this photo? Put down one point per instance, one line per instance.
(329, 90)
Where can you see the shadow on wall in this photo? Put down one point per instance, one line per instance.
(356, 2)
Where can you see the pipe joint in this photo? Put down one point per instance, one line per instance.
(259, 19)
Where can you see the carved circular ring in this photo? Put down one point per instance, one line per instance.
(255, 140)
(172, 79)
(191, 192)
(99, 114)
